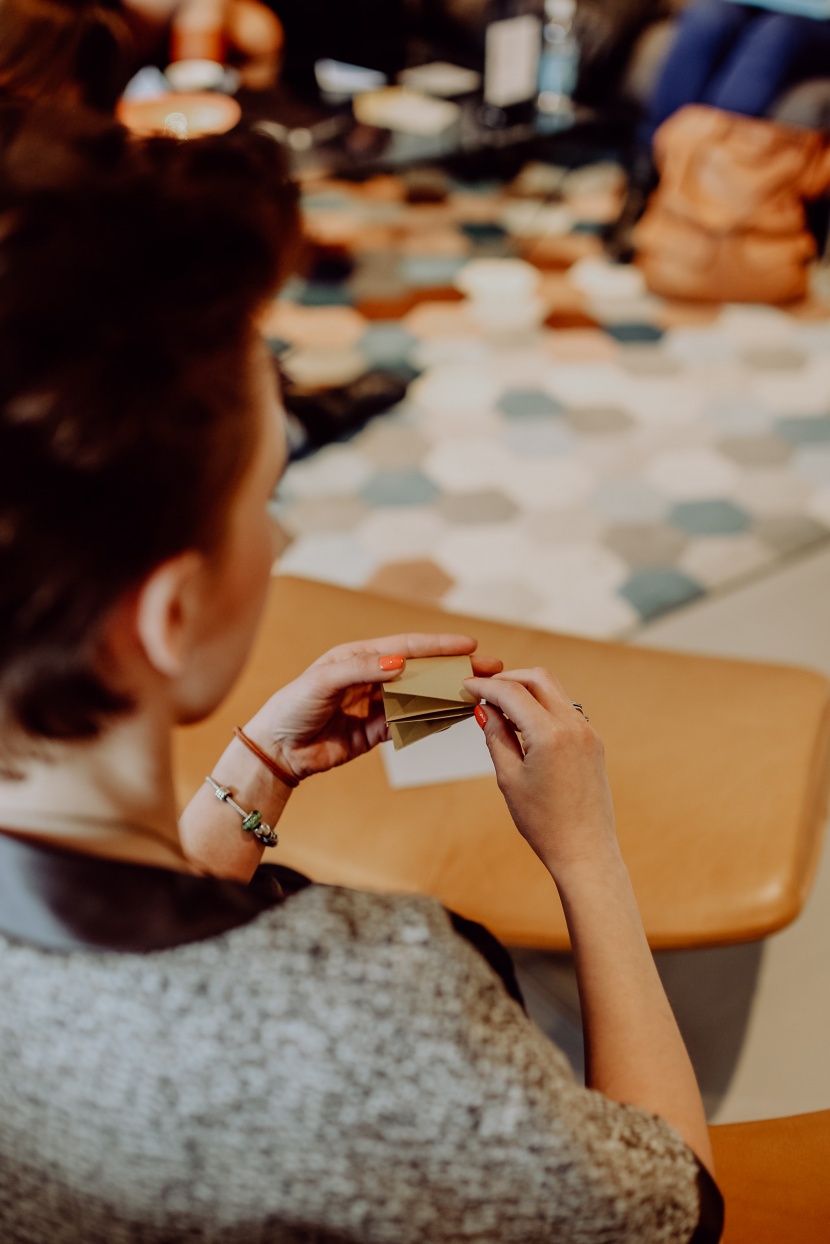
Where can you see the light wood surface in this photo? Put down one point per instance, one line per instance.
(775, 1178)
(719, 770)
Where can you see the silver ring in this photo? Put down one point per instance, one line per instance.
(580, 709)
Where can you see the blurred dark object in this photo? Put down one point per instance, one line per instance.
(327, 415)
(371, 33)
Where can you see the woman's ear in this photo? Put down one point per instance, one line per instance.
(166, 613)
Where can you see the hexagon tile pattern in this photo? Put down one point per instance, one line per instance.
(624, 458)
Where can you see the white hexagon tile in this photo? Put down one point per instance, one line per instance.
(624, 457)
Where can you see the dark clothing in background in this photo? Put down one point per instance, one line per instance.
(736, 58)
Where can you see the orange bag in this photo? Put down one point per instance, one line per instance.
(727, 220)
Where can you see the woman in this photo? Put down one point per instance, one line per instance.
(186, 1058)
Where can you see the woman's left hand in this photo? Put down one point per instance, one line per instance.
(334, 711)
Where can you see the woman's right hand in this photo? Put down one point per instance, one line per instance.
(554, 781)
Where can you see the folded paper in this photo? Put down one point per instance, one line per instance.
(428, 696)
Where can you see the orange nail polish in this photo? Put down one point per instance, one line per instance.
(480, 715)
(393, 662)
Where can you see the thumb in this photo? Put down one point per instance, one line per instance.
(502, 743)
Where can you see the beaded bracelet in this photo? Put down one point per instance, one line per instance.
(252, 822)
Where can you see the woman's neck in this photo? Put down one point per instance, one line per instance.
(121, 781)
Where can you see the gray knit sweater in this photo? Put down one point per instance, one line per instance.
(342, 1068)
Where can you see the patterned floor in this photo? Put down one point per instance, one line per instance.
(627, 457)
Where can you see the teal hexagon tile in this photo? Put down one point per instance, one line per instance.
(292, 290)
(626, 332)
(804, 429)
(387, 341)
(646, 544)
(528, 404)
(628, 499)
(485, 506)
(774, 358)
(325, 294)
(334, 558)
(710, 517)
(327, 201)
(598, 420)
(715, 560)
(656, 590)
(537, 438)
(756, 450)
(403, 487)
(812, 464)
(424, 271)
(788, 533)
(738, 416)
(483, 233)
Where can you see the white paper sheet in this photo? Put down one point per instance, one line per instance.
(454, 755)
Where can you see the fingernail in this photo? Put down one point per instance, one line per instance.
(394, 662)
(480, 715)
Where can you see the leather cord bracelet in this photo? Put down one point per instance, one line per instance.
(273, 768)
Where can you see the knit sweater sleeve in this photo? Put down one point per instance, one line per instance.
(486, 1133)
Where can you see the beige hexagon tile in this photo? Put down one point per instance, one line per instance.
(577, 525)
(692, 475)
(331, 328)
(392, 445)
(487, 505)
(597, 614)
(544, 484)
(464, 464)
(452, 388)
(313, 515)
(503, 599)
(410, 532)
(771, 491)
(417, 580)
(580, 345)
(714, 560)
(317, 367)
(558, 253)
(434, 241)
(480, 209)
(333, 228)
(440, 320)
(336, 471)
(482, 550)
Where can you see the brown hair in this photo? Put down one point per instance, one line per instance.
(129, 277)
(49, 47)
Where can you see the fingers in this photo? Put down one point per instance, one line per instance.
(359, 669)
(409, 644)
(542, 685)
(502, 743)
(515, 701)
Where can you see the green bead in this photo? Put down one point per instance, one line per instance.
(252, 821)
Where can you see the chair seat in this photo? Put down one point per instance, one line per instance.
(774, 1177)
(719, 770)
